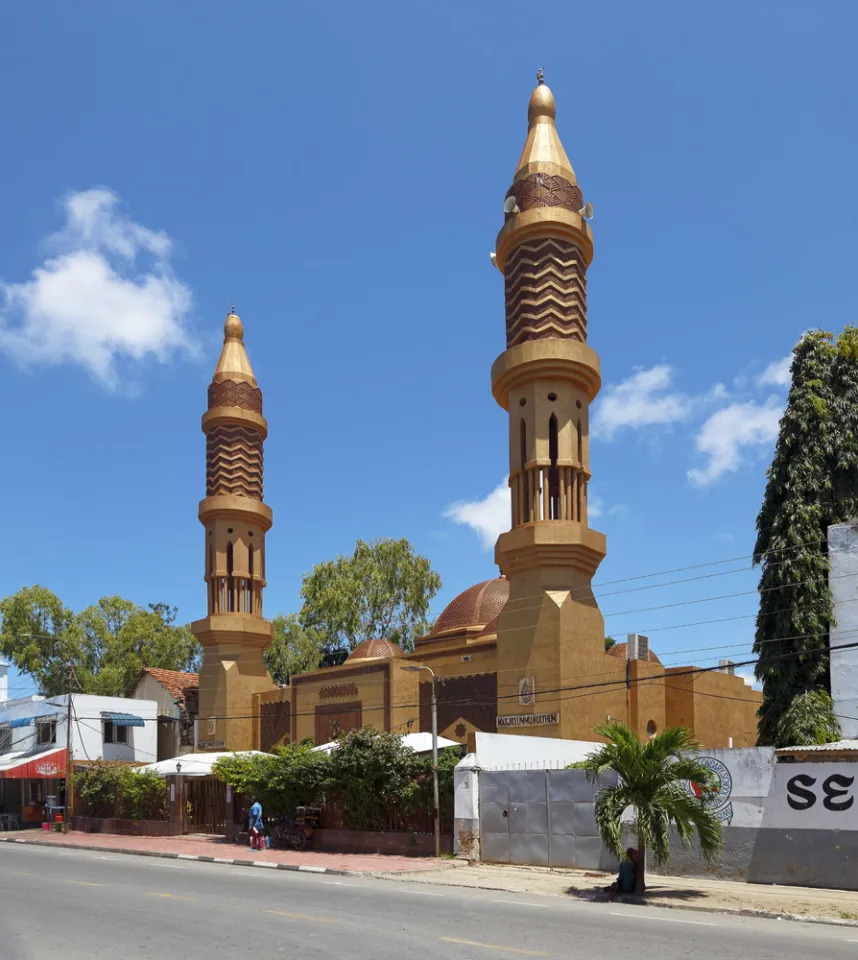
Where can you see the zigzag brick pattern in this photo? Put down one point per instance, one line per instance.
(546, 292)
(234, 461)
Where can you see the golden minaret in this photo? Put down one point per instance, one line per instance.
(550, 632)
(234, 633)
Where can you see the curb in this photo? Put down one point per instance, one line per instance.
(233, 861)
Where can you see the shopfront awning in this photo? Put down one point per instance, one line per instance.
(25, 721)
(51, 764)
(124, 719)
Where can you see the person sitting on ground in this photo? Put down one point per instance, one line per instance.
(628, 875)
(257, 840)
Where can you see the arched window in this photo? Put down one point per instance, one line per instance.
(580, 445)
(230, 586)
(553, 472)
(523, 443)
(249, 600)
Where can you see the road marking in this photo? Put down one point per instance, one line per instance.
(85, 883)
(17, 873)
(639, 916)
(339, 883)
(187, 856)
(494, 946)
(523, 903)
(172, 896)
(114, 859)
(224, 859)
(260, 863)
(302, 916)
(306, 869)
(420, 893)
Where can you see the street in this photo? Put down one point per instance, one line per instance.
(83, 904)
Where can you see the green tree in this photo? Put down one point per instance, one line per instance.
(294, 774)
(811, 484)
(293, 649)
(108, 642)
(381, 591)
(371, 773)
(653, 779)
(808, 720)
(39, 634)
(609, 642)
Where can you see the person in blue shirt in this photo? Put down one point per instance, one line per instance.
(628, 875)
(257, 841)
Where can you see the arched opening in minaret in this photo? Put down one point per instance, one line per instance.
(230, 583)
(211, 579)
(580, 445)
(249, 600)
(523, 443)
(553, 472)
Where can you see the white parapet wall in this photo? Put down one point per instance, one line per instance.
(509, 751)
(843, 579)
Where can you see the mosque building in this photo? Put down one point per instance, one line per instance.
(524, 653)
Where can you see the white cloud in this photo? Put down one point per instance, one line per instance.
(489, 517)
(105, 294)
(749, 678)
(595, 505)
(724, 435)
(641, 400)
(776, 374)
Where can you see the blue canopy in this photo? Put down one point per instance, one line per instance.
(124, 719)
(26, 721)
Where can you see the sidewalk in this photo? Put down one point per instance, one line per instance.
(806, 903)
(216, 848)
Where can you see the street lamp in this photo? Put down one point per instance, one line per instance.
(416, 669)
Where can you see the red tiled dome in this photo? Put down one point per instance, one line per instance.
(619, 650)
(375, 649)
(475, 607)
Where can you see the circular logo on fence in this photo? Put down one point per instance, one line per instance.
(717, 797)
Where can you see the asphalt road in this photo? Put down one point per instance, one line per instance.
(75, 904)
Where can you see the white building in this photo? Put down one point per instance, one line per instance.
(177, 697)
(34, 738)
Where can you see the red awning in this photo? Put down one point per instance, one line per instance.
(50, 765)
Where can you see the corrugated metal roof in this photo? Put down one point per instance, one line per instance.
(837, 745)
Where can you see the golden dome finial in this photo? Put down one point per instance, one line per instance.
(234, 363)
(543, 152)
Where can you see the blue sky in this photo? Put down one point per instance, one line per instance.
(339, 170)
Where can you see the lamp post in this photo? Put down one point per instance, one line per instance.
(417, 669)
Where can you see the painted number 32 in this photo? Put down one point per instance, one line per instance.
(835, 791)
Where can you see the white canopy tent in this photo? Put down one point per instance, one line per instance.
(192, 764)
(418, 742)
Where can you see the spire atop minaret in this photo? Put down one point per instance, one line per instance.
(233, 363)
(543, 152)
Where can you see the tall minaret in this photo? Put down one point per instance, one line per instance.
(234, 634)
(550, 632)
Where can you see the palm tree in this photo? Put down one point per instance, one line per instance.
(654, 777)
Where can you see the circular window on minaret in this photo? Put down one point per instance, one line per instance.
(522, 402)
(651, 729)
(552, 397)
(578, 404)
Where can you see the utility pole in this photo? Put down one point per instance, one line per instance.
(435, 791)
(69, 787)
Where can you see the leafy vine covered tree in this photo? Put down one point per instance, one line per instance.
(812, 483)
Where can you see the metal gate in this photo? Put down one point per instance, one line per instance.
(541, 818)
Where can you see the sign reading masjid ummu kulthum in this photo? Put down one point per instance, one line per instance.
(528, 720)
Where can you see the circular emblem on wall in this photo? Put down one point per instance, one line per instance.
(718, 797)
(525, 690)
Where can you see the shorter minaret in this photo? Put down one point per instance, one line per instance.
(233, 633)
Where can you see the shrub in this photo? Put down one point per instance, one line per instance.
(115, 789)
